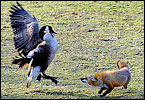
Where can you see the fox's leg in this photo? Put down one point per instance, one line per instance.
(101, 90)
(35, 72)
(110, 88)
(129, 78)
(125, 86)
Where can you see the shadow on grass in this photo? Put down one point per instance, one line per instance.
(78, 95)
(63, 94)
(82, 96)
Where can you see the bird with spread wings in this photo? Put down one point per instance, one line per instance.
(37, 48)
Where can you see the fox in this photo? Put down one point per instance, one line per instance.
(107, 80)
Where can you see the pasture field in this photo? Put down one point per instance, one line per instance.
(92, 37)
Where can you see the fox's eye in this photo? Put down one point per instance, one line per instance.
(94, 79)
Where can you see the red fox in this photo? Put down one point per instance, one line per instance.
(107, 80)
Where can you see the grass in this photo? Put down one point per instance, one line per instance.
(93, 36)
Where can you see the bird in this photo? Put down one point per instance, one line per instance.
(36, 47)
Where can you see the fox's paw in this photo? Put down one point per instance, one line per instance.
(125, 87)
(102, 96)
(99, 92)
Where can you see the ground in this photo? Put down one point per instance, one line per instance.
(92, 37)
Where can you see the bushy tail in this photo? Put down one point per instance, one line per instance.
(121, 64)
(21, 61)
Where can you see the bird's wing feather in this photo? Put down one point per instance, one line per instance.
(25, 29)
(38, 50)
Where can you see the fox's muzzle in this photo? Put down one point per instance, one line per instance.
(84, 80)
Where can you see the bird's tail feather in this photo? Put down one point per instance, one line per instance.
(21, 61)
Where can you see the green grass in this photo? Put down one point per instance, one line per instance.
(92, 37)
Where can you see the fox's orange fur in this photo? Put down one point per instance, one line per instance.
(110, 79)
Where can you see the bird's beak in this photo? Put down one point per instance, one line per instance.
(53, 33)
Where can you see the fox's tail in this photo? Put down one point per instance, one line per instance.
(21, 61)
(121, 64)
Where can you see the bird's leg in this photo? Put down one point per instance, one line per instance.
(29, 79)
(39, 77)
(35, 72)
(53, 79)
(29, 65)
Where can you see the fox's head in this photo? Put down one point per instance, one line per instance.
(91, 80)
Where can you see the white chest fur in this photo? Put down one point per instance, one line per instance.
(100, 86)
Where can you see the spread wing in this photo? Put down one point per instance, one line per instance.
(25, 29)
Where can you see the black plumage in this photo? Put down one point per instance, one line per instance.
(25, 29)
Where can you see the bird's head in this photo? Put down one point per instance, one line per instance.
(46, 30)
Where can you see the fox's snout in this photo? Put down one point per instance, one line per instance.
(84, 80)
